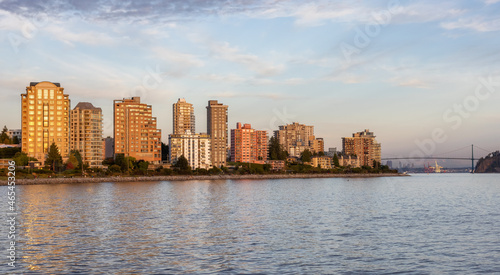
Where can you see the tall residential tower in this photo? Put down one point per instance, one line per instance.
(248, 145)
(45, 119)
(364, 146)
(86, 133)
(183, 115)
(217, 129)
(135, 132)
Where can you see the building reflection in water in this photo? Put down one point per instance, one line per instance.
(135, 227)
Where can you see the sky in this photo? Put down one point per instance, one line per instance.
(424, 76)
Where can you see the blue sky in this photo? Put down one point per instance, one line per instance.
(394, 67)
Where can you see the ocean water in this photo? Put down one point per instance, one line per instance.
(423, 224)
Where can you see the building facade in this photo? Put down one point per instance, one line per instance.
(194, 147)
(276, 165)
(364, 146)
(322, 162)
(295, 138)
(217, 129)
(15, 133)
(317, 144)
(331, 152)
(45, 113)
(135, 131)
(248, 145)
(86, 133)
(183, 117)
(109, 147)
(351, 161)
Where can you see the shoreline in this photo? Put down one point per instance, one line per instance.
(193, 177)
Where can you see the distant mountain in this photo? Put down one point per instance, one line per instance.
(489, 164)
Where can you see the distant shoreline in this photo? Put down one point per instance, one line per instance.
(192, 177)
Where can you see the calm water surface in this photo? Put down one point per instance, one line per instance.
(420, 224)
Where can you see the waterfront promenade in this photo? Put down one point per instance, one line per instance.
(192, 177)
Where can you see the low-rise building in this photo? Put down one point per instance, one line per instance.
(331, 152)
(15, 133)
(194, 147)
(322, 162)
(276, 165)
(351, 161)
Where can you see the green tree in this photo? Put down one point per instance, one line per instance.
(126, 163)
(78, 158)
(15, 140)
(276, 151)
(22, 159)
(120, 159)
(306, 155)
(164, 151)
(183, 164)
(7, 153)
(54, 158)
(72, 162)
(142, 165)
(129, 163)
(114, 169)
(4, 137)
(336, 160)
(214, 171)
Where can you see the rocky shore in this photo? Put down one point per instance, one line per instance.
(197, 177)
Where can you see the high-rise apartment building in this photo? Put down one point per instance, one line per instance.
(45, 119)
(217, 129)
(183, 116)
(194, 147)
(109, 147)
(364, 146)
(248, 145)
(317, 144)
(86, 133)
(295, 138)
(135, 130)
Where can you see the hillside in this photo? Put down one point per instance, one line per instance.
(489, 164)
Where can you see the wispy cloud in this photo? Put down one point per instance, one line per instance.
(87, 37)
(415, 83)
(271, 95)
(476, 24)
(178, 64)
(491, 2)
(252, 62)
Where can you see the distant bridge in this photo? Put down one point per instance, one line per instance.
(471, 158)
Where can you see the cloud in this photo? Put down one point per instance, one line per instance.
(415, 83)
(346, 78)
(87, 37)
(232, 94)
(178, 63)
(252, 62)
(491, 2)
(476, 24)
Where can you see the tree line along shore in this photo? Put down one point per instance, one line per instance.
(74, 180)
(128, 167)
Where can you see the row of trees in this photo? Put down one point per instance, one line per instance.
(5, 139)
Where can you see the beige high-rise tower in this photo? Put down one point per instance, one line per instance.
(135, 131)
(183, 115)
(45, 119)
(217, 129)
(295, 138)
(86, 133)
(364, 146)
